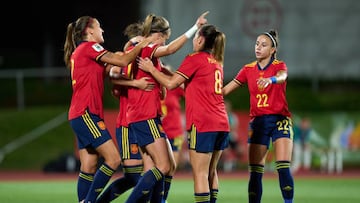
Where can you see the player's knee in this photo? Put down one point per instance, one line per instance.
(165, 168)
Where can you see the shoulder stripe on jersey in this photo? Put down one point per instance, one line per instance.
(277, 61)
(182, 74)
(251, 65)
(100, 55)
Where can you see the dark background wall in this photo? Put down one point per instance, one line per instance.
(33, 33)
(318, 39)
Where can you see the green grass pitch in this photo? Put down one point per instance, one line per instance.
(307, 190)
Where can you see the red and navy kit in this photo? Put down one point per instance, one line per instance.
(123, 97)
(123, 101)
(144, 105)
(172, 122)
(204, 106)
(127, 143)
(86, 111)
(267, 101)
(87, 77)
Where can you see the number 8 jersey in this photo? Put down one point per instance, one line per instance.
(204, 102)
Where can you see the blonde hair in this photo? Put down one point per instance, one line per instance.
(153, 24)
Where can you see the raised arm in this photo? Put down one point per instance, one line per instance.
(127, 57)
(176, 44)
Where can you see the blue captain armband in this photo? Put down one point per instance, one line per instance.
(273, 80)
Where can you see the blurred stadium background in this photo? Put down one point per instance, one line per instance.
(318, 41)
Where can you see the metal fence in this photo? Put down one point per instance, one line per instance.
(19, 75)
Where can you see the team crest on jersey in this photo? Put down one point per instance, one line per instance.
(97, 47)
(134, 148)
(261, 77)
(101, 125)
(260, 88)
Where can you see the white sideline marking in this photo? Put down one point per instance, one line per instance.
(37, 132)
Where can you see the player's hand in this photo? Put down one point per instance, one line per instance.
(145, 84)
(115, 91)
(202, 20)
(145, 64)
(263, 82)
(115, 72)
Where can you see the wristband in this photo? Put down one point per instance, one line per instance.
(112, 74)
(191, 31)
(273, 80)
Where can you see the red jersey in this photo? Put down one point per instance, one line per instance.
(123, 97)
(144, 105)
(272, 99)
(87, 78)
(171, 109)
(204, 106)
(123, 101)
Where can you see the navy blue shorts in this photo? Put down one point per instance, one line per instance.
(90, 130)
(128, 146)
(147, 131)
(207, 141)
(176, 143)
(262, 129)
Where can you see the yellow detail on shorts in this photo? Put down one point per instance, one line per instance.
(153, 128)
(192, 138)
(91, 125)
(178, 141)
(125, 142)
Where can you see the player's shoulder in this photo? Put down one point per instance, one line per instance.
(195, 57)
(250, 65)
(150, 47)
(194, 54)
(91, 48)
(278, 62)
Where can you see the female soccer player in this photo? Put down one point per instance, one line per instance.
(269, 113)
(144, 110)
(129, 151)
(87, 61)
(206, 118)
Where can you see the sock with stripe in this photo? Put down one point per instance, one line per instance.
(157, 194)
(167, 184)
(83, 185)
(213, 195)
(286, 180)
(101, 178)
(145, 185)
(202, 197)
(255, 187)
(131, 176)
